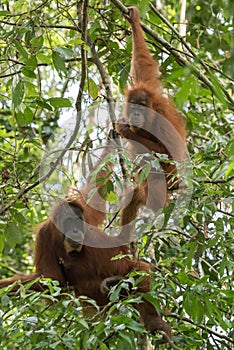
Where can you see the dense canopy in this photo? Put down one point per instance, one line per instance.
(64, 66)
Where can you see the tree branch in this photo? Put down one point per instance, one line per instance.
(209, 330)
(198, 73)
(219, 181)
(82, 10)
(110, 99)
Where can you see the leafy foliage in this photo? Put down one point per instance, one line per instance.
(41, 65)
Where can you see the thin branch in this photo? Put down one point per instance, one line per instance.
(68, 60)
(209, 330)
(27, 12)
(225, 213)
(220, 181)
(110, 99)
(181, 61)
(185, 63)
(201, 76)
(10, 74)
(26, 188)
(105, 79)
(82, 12)
(53, 26)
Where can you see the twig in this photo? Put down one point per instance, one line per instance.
(27, 12)
(220, 181)
(68, 60)
(211, 331)
(53, 26)
(83, 20)
(26, 188)
(225, 213)
(184, 63)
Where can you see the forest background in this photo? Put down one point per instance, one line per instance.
(50, 69)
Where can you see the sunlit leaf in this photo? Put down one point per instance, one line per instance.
(60, 102)
(93, 89)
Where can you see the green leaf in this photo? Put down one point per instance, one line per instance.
(31, 89)
(145, 170)
(127, 339)
(28, 36)
(76, 42)
(112, 197)
(3, 13)
(218, 90)
(230, 148)
(135, 326)
(190, 255)
(194, 307)
(182, 277)
(45, 105)
(5, 300)
(64, 51)
(43, 58)
(20, 119)
(37, 42)
(83, 323)
(197, 310)
(114, 295)
(188, 302)
(18, 93)
(93, 89)
(230, 170)
(2, 241)
(58, 62)
(60, 102)
(31, 63)
(183, 94)
(159, 221)
(28, 73)
(144, 7)
(13, 234)
(21, 49)
(110, 186)
(28, 115)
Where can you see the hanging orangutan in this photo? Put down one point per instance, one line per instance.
(152, 125)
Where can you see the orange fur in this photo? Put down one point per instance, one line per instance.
(86, 270)
(94, 202)
(151, 124)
